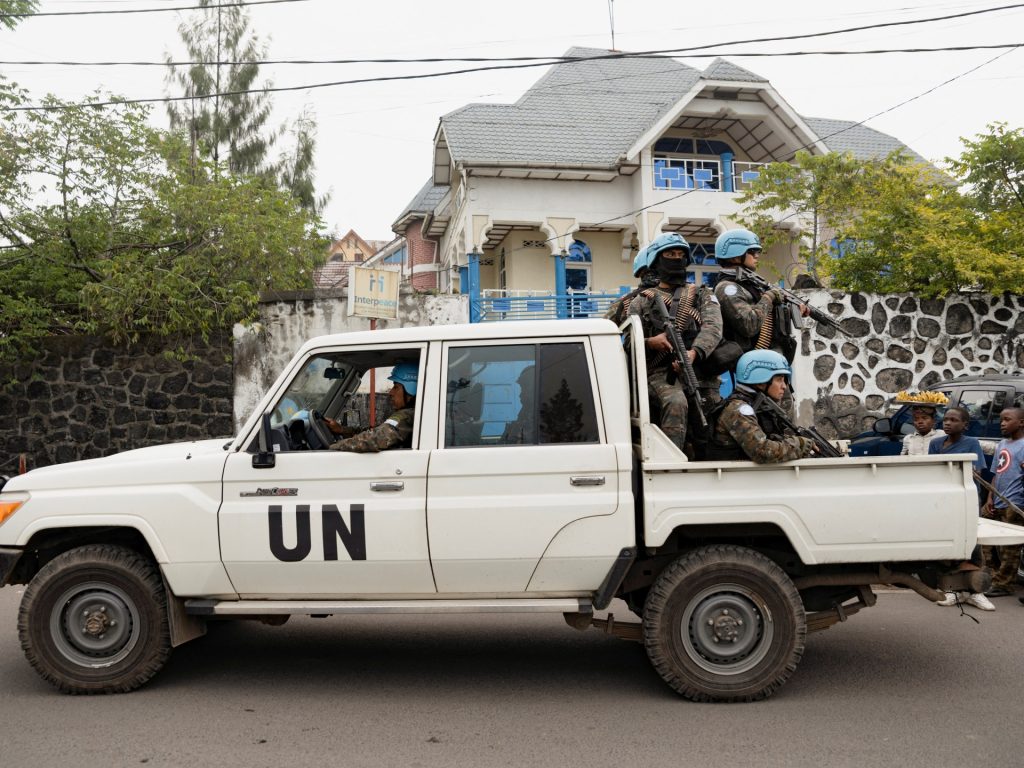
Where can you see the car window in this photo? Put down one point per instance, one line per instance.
(984, 406)
(519, 394)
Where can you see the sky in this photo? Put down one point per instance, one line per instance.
(375, 139)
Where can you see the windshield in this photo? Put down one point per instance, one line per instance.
(313, 388)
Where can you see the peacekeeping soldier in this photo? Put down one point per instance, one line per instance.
(750, 314)
(746, 306)
(619, 309)
(396, 430)
(743, 427)
(696, 314)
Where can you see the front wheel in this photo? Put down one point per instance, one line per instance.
(94, 620)
(724, 623)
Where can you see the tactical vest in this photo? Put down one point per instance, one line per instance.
(781, 338)
(721, 446)
(686, 320)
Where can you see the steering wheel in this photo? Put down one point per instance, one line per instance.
(320, 436)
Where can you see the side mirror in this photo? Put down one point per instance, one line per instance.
(265, 458)
(883, 426)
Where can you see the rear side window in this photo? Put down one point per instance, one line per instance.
(520, 394)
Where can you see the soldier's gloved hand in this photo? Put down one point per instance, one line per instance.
(777, 297)
(807, 447)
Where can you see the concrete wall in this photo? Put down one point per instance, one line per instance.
(261, 351)
(899, 342)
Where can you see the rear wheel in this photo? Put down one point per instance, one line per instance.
(724, 623)
(94, 620)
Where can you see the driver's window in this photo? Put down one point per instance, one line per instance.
(335, 395)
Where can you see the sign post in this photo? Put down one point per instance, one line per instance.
(373, 293)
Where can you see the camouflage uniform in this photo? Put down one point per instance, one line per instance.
(394, 432)
(619, 310)
(740, 432)
(745, 307)
(701, 329)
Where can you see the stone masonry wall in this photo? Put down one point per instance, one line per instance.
(80, 398)
(898, 342)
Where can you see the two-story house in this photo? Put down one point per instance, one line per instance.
(537, 208)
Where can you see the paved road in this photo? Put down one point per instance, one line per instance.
(903, 684)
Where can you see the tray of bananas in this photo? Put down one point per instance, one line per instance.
(924, 397)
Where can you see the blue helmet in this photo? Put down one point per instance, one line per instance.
(759, 366)
(640, 262)
(406, 374)
(735, 243)
(664, 242)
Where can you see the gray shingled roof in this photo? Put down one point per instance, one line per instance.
(720, 69)
(587, 113)
(426, 199)
(591, 112)
(862, 142)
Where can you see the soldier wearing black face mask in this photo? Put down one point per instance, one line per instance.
(698, 318)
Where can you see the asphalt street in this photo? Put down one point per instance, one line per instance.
(905, 683)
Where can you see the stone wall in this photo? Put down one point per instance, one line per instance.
(898, 342)
(80, 398)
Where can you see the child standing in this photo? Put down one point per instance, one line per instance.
(954, 424)
(1008, 470)
(916, 444)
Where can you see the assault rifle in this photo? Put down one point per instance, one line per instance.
(689, 380)
(791, 299)
(823, 446)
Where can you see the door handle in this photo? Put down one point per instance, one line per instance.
(587, 479)
(394, 485)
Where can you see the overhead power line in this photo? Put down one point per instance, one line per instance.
(308, 62)
(145, 10)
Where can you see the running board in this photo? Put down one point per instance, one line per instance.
(325, 607)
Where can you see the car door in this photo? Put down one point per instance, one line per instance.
(325, 523)
(523, 486)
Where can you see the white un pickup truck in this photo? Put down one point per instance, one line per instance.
(534, 481)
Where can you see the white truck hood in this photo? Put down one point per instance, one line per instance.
(192, 461)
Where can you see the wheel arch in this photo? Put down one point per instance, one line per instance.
(45, 542)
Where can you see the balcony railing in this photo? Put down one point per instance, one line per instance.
(744, 174)
(490, 309)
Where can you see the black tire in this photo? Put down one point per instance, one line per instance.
(94, 620)
(724, 623)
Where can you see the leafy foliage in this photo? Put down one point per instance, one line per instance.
(892, 225)
(108, 226)
(16, 7)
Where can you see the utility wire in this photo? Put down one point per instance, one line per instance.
(145, 10)
(331, 84)
(656, 57)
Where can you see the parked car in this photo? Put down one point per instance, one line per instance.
(983, 396)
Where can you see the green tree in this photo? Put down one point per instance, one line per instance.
(226, 116)
(991, 167)
(15, 7)
(106, 227)
(819, 192)
(903, 226)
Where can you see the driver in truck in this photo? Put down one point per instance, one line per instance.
(396, 430)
